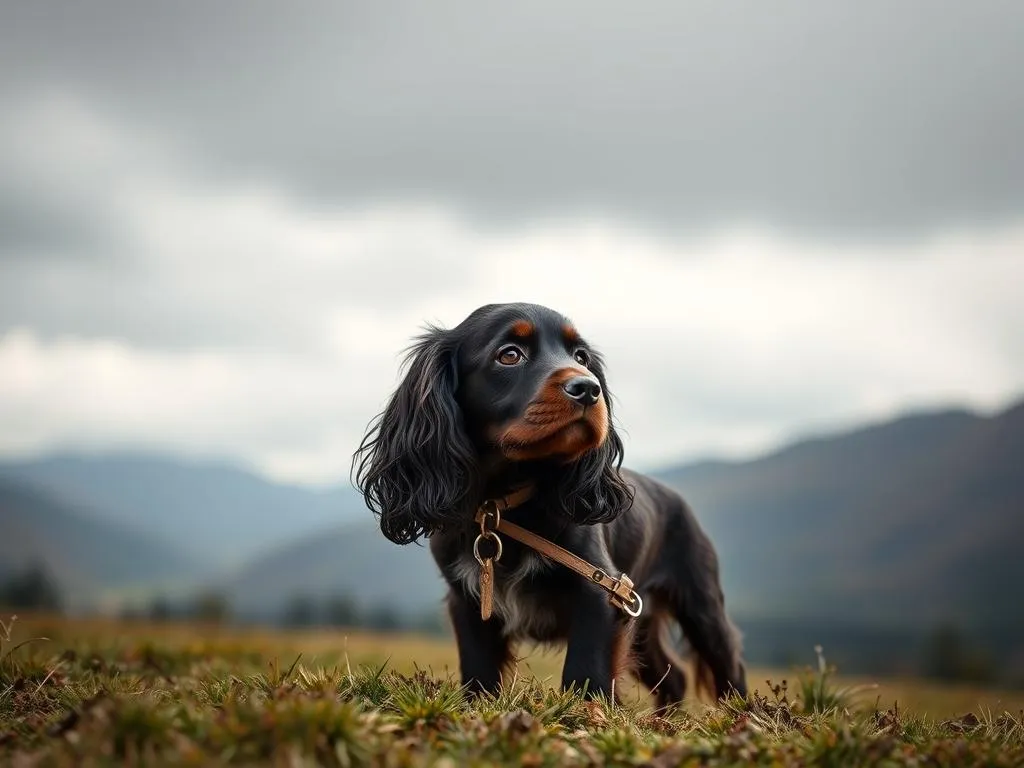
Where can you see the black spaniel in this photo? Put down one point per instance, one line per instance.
(511, 409)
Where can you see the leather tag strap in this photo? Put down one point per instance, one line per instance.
(621, 590)
(487, 563)
(486, 588)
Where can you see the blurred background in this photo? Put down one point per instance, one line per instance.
(796, 231)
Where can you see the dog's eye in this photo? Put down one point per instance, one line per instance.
(582, 357)
(510, 355)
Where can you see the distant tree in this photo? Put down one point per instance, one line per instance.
(383, 618)
(129, 612)
(948, 656)
(300, 612)
(944, 654)
(159, 609)
(341, 611)
(31, 589)
(211, 607)
(431, 623)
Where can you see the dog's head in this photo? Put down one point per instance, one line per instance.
(513, 393)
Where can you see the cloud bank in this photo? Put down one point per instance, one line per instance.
(217, 319)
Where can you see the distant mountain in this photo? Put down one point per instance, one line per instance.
(917, 520)
(881, 533)
(219, 514)
(84, 555)
(888, 529)
(355, 561)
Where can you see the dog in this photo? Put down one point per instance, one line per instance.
(515, 400)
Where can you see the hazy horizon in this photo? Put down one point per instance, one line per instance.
(343, 481)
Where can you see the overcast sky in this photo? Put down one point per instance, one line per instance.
(220, 224)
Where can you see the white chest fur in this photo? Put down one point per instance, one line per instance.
(521, 613)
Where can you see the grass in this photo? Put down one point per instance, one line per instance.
(107, 693)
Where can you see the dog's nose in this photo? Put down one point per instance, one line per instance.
(583, 389)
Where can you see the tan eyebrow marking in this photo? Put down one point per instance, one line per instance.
(570, 332)
(522, 328)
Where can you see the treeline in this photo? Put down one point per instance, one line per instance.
(946, 652)
(300, 612)
(344, 611)
(34, 589)
(31, 589)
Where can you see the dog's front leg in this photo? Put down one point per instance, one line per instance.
(594, 632)
(483, 649)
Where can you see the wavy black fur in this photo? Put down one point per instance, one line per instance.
(419, 470)
(416, 467)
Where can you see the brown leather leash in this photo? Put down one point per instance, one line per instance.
(621, 592)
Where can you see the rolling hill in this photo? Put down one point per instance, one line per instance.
(220, 514)
(919, 520)
(84, 555)
(879, 533)
(353, 560)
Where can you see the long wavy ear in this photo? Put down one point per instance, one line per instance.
(593, 490)
(415, 464)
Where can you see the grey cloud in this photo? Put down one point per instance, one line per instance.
(836, 119)
(34, 228)
(180, 309)
(123, 236)
(263, 298)
(42, 221)
(80, 299)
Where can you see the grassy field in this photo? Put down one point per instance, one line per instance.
(109, 693)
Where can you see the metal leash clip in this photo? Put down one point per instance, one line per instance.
(488, 511)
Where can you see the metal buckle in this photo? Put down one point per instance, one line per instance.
(625, 582)
(639, 605)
